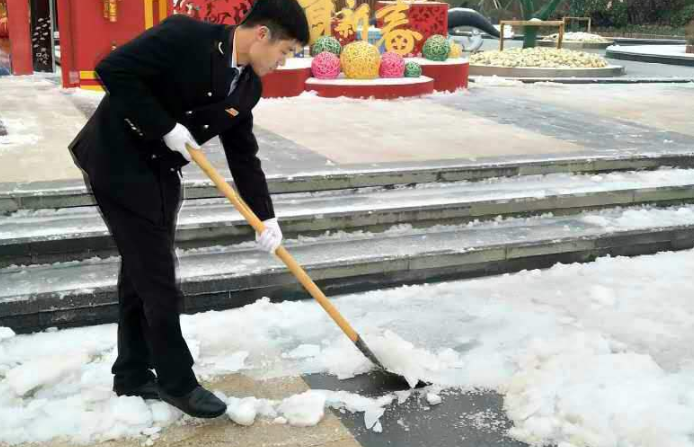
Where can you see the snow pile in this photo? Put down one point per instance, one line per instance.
(496, 81)
(586, 355)
(577, 37)
(676, 51)
(586, 390)
(643, 217)
(306, 409)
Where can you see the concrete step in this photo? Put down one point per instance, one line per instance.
(82, 293)
(46, 236)
(72, 193)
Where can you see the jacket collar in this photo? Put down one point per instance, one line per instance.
(224, 43)
(221, 61)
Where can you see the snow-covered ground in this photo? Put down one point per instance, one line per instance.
(586, 355)
(655, 50)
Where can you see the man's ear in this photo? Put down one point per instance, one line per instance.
(263, 33)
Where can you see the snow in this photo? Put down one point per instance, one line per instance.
(6, 332)
(452, 61)
(304, 410)
(30, 225)
(595, 354)
(496, 81)
(433, 399)
(578, 37)
(19, 132)
(679, 51)
(330, 248)
(371, 82)
(45, 370)
(302, 352)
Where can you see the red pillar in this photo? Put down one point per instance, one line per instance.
(20, 36)
(68, 66)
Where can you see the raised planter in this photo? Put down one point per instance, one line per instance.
(295, 78)
(569, 45)
(448, 76)
(371, 88)
(289, 80)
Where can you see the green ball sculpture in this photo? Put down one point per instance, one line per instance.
(326, 43)
(413, 70)
(436, 48)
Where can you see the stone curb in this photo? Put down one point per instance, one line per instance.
(63, 194)
(79, 308)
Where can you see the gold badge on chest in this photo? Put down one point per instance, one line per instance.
(232, 111)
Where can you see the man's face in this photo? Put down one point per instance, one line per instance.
(267, 54)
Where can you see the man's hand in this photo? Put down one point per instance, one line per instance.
(271, 237)
(177, 139)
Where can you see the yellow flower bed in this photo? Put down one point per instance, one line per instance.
(539, 58)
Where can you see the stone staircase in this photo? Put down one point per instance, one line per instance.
(352, 231)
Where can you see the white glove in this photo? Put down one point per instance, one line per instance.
(271, 237)
(176, 140)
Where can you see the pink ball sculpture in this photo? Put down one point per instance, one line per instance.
(325, 65)
(392, 65)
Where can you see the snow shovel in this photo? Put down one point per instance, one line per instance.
(388, 377)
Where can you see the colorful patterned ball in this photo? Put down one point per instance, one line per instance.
(436, 48)
(360, 60)
(325, 66)
(326, 43)
(456, 50)
(413, 70)
(392, 65)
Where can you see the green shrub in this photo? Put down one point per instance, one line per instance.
(680, 17)
(603, 12)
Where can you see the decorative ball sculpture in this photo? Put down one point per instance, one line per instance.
(413, 70)
(325, 66)
(456, 51)
(436, 48)
(360, 60)
(392, 65)
(326, 43)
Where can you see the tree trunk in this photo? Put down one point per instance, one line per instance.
(529, 36)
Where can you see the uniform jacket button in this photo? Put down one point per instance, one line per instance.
(206, 126)
(189, 112)
(209, 93)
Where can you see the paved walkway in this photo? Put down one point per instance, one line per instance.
(309, 135)
(462, 419)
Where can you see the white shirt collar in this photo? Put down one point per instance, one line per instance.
(234, 64)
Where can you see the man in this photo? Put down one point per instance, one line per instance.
(180, 83)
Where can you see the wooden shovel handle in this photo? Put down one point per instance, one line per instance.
(281, 252)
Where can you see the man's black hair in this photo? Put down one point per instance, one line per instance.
(285, 19)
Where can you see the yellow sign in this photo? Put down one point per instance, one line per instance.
(351, 18)
(398, 40)
(319, 14)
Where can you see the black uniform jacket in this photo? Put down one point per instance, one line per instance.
(176, 72)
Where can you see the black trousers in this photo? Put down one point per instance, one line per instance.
(150, 301)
